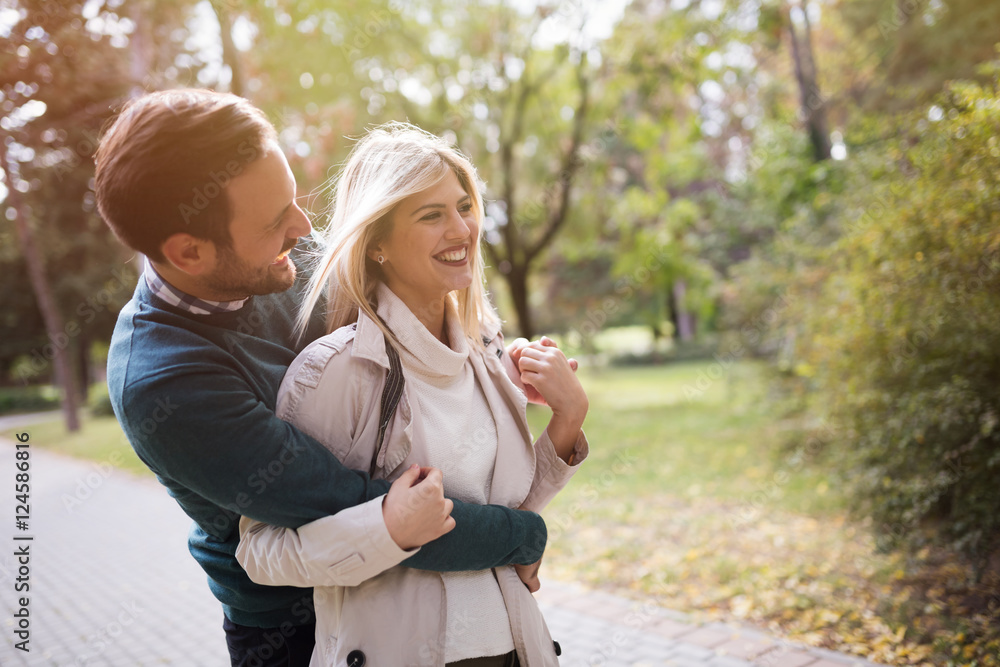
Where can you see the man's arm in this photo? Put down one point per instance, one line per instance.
(485, 536)
(355, 544)
(206, 431)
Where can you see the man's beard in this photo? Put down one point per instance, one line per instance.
(235, 277)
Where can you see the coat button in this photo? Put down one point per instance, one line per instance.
(356, 658)
(557, 647)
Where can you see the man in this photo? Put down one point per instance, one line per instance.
(196, 182)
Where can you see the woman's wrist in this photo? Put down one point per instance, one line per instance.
(564, 433)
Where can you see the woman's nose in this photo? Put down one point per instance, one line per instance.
(458, 226)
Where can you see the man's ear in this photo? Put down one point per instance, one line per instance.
(188, 254)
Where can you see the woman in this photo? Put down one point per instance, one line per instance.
(408, 271)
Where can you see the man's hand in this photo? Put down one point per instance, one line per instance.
(415, 509)
(515, 349)
(529, 575)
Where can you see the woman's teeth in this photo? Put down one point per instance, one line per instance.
(454, 256)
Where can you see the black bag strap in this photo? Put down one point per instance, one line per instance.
(391, 393)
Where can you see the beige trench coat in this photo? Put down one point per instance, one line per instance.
(364, 600)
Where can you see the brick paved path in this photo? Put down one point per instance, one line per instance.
(112, 584)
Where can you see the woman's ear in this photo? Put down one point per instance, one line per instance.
(375, 252)
(189, 255)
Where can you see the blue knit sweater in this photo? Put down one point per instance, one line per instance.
(195, 395)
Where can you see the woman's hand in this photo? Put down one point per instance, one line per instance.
(415, 509)
(514, 350)
(545, 368)
(529, 575)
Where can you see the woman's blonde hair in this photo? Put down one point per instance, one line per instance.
(389, 164)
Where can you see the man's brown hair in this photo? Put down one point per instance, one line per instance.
(164, 163)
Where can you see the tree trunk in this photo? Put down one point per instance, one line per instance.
(517, 281)
(83, 367)
(520, 250)
(672, 314)
(684, 320)
(813, 104)
(230, 56)
(141, 47)
(54, 325)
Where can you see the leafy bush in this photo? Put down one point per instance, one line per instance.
(903, 343)
(100, 405)
(28, 399)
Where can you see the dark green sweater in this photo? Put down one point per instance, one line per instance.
(195, 395)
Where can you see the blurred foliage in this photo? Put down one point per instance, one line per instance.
(843, 285)
(100, 403)
(28, 399)
(913, 47)
(788, 203)
(58, 84)
(911, 289)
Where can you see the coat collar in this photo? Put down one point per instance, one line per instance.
(369, 343)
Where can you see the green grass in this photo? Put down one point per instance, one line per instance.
(100, 439)
(690, 436)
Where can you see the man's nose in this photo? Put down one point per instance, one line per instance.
(300, 224)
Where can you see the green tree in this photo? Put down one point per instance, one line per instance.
(45, 47)
(680, 86)
(904, 337)
(65, 68)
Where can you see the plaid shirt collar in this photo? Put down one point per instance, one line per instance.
(164, 290)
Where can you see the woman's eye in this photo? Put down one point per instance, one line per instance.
(465, 208)
(431, 217)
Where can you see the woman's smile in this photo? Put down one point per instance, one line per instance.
(456, 256)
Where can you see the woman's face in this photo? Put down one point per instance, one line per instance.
(429, 251)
